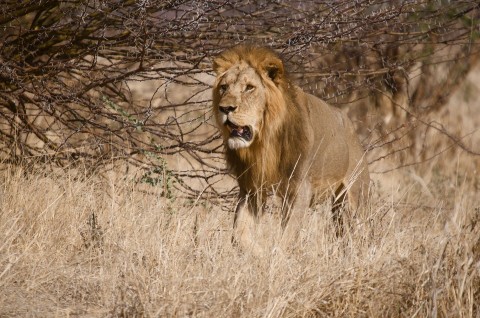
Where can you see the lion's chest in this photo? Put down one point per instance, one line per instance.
(256, 169)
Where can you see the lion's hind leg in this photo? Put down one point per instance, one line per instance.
(348, 204)
(357, 190)
(339, 209)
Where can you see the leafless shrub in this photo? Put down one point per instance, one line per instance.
(105, 81)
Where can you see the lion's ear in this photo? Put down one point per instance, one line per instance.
(274, 69)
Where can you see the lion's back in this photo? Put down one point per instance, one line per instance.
(336, 148)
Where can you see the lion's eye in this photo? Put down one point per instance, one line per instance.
(223, 88)
(249, 88)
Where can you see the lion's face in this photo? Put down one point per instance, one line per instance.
(239, 104)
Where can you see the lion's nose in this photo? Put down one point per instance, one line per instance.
(227, 109)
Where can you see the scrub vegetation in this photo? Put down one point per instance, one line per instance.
(114, 196)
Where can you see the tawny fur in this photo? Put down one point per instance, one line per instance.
(302, 148)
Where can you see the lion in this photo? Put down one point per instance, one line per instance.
(278, 137)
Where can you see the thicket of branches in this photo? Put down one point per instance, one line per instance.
(98, 81)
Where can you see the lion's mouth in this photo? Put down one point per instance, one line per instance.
(244, 132)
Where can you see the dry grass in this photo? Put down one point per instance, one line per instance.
(75, 246)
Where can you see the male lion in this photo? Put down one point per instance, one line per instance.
(279, 137)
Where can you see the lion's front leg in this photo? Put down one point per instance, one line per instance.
(244, 225)
(296, 203)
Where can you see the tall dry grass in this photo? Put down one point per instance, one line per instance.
(72, 245)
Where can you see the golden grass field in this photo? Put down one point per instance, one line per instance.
(103, 246)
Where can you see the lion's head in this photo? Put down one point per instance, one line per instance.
(248, 93)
